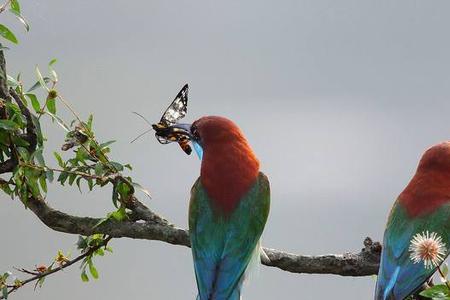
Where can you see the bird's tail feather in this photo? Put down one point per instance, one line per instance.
(254, 265)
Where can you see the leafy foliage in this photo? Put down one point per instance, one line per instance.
(86, 243)
(439, 291)
(14, 9)
(84, 162)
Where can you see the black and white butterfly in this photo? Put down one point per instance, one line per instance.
(175, 112)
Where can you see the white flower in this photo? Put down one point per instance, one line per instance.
(427, 248)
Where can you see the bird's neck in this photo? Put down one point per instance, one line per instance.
(427, 191)
(228, 172)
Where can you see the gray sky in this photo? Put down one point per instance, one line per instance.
(338, 99)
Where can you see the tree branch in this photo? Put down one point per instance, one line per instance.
(3, 77)
(153, 227)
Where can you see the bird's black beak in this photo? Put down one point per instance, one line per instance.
(180, 133)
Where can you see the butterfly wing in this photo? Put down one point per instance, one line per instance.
(175, 112)
(177, 109)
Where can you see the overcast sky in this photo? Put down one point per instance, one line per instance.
(338, 99)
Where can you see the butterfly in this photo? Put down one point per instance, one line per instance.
(175, 112)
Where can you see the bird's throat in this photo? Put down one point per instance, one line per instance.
(228, 172)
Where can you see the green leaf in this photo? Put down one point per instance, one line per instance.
(115, 195)
(78, 182)
(15, 114)
(37, 124)
(104, 145)
(33, 186)
(117, 166)
(6, 188)
(84, 276)
(39, 157)
(99, 169)
(38, 84)
(51, 105)
(52, 71)
(59, 159)
(89, 122)
(41, 280)
(41, 79)
(19, 141)
(72, 178)
(119, 215)
(34, 102)
(5, 292)
(444, 270)
(100, 252)
(4, 140)
(21, 19)
(54, 75)
(12, 81)
(82, 242)
(93, 270)
(8, 125)
(43, 183)
(49, 174)
(124, 190)
(440, 292)
(63, 177)
(7, 34)
(15, 6)
(23, 153)
(90, 184)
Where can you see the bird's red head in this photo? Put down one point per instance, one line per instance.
(214, 130)
(229, 166)
(430, 186)
(436, 159)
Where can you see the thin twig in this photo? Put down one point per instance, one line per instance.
(82, 174)
(109, 178)
(3, 7)
(61, 267)
(443, 277)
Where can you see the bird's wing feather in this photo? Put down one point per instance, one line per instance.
(399, 276)
(223, 245)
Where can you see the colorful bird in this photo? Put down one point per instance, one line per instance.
(228, 209)
(417, 236)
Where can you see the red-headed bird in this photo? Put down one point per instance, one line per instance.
(228, 209)
(421, 212)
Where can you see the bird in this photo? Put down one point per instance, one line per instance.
(228, 209)
(420, 217)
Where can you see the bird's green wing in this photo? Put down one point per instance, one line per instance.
(399, 276)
